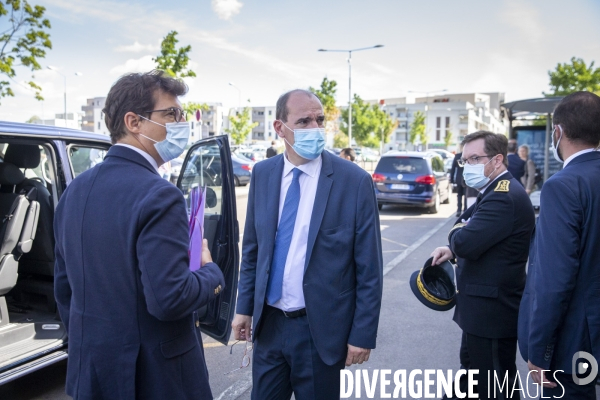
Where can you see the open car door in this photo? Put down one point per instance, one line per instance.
(208, 164)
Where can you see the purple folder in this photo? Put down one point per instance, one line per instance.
(197, 201)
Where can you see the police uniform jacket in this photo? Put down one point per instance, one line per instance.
(490, 241)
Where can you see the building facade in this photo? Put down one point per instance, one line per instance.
(264, 116)
(93, 118)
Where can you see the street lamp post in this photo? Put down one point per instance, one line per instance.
(427, 105)
(350, 84)
(65, 96)
(239, 94)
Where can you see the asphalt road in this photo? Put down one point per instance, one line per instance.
(410, 336)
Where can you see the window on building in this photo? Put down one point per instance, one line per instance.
(98, 124)
(447, 122)
(261, 113)
(270, 112)
(438, 131)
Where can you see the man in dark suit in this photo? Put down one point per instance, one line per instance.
(560, 313)
(311, 275)
(122, 277)
(490, 242)
(272, 151)
(456, 178)
(516, 166)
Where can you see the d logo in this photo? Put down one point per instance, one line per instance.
(583, 366)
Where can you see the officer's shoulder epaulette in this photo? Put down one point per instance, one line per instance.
(455, 227)
(502, 186)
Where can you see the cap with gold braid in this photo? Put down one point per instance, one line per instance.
(433, 285)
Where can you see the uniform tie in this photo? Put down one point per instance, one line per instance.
(283, 239)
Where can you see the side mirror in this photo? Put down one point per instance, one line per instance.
(211, 198)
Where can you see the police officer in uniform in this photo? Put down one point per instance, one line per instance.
(490, 242)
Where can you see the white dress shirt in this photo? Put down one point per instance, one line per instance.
(568, 160)
(292, 296)
(147, 156)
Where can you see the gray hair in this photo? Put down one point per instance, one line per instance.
(281, 110)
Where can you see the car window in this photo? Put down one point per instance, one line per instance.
(204, 169)
(83, 158)
(437, 164)
(403, 165)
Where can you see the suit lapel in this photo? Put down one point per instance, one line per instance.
(323, 189)
(272, 210)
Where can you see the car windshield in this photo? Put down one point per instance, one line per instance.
(404, 165)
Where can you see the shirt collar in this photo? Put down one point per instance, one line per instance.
(147, 156)
(490, 184)
(311, 168)
(568, 160)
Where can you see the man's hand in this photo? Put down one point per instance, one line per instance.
(205, 257)
(539, 376)
(357, 355)
(441, 254)
(242, 327)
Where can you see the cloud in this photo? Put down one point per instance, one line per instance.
(525, 19)
(225, 9)
(136, 47)
(143, 64)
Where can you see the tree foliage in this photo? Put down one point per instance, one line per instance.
(23, 40)
(327, 96)
(369, 123)
(240, 125)
(574, 77)
(417, 132)
(172, 60)
(190, 108)
(448, 138)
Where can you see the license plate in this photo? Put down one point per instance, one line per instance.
(399, 186)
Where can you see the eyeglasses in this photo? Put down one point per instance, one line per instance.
(245, 359)
(175, 112)
(471, 160)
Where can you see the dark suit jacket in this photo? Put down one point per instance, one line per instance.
(343, 271)
(124, 288)
(456, 172)
(271, 152)
(491, 251)
(560, 311)
(516, 166)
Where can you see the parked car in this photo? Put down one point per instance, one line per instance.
(32, 336)
(252, 155)
(447, 156)
(242, 170)
(412, 178)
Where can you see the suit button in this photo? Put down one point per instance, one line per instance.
(457, 292)
(197, 324)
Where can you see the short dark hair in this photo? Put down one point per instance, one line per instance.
(494, 143)
(281, 110)
(579, 116)
(512, 146)
(348, 151)
(136, 93)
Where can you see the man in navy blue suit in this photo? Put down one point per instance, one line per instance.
(122, 279)
(311, 277)
(560, 312)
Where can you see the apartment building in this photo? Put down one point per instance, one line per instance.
(264, 116)
(93, 119)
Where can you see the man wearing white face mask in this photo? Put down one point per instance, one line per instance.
(490, 242)
(123, 284)
(310, 284)
(559, 314)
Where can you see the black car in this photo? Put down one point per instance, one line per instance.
(412, 178)
(47, 159)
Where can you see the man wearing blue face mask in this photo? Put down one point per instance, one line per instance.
(490, 243)
(123, 284)
(310, 284)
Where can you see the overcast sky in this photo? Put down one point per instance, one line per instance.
(266, 47)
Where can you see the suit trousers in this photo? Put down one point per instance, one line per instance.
(489, 356)
(571, 389)
(286, 360)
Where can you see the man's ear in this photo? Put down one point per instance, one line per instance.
(278, 126)
(132, 122)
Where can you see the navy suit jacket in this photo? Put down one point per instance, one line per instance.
(123, 285)
(560, 311)
(491, 251)
(343, 274)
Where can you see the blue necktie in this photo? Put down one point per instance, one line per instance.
(284, 238)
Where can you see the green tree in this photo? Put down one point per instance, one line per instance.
(240, 125)
(417, 129)
(448, 138)
(326, 95)
(574, 77)
(23, 40)
(340, 141)
(190, 108)
(172, 60)
(369, 122)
